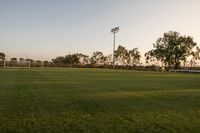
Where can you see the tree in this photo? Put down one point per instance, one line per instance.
(46, 63)
(29, 60)
(97, 58)
(2, 56)
(196, 53)
(134, 56)
(83, 59)
(13, 59)
(71, 59)
(108, 59)
(21, 59)
(172, 48)
(121, 55)
(195, 57)
(149, 57)
(59, 60)
(38, 63)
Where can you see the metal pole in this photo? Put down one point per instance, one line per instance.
(114, 52)
(114, 30)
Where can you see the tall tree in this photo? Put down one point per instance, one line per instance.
(46, 63)
(173, 48)
(29, 60)
(149, 57)
(72, 59)
(83, 59)
(196, 53)
(108, 59)
(121, 55)
(195, 57)
(134, 56)
(2, 56)
(21, 59)
(14, 59)
(97, 58)
(59, 60)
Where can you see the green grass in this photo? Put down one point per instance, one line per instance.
(98, 100)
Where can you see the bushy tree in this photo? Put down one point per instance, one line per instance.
(149, 57)
(83, 59)
(21, 59)
(71, 59)
(29, 60)
(108, 59)
(134, 57)
(121, 55)
(59, 60)
(127, 57)
(196, 53)
(14, 59)
(172, 48)
(97, 58)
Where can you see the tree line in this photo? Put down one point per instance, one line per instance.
(98, 59)
(172, 50)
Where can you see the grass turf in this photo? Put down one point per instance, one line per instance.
(98, 100)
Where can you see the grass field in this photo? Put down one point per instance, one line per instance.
(98, 100)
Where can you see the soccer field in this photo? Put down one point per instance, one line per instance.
(98, 100)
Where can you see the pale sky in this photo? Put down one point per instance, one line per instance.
(44, 29)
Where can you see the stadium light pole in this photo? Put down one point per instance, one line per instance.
(114, 31)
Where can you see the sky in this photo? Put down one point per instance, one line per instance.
(44, 29)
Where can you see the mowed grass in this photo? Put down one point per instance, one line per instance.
(98, 100)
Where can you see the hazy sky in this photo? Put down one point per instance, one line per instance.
(43, 29)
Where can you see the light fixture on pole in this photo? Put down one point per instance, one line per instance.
(114, 30)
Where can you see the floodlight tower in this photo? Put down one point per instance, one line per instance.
(113, 31)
